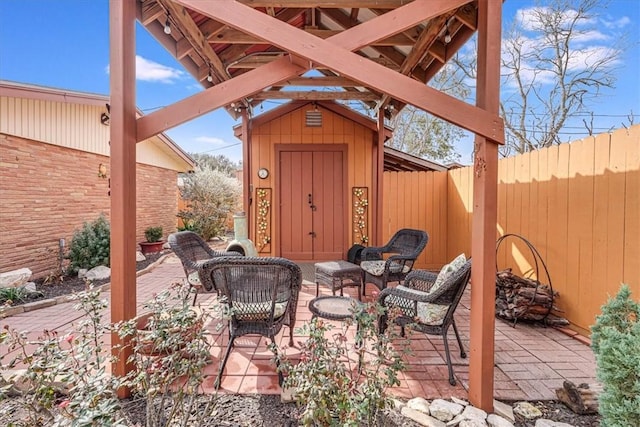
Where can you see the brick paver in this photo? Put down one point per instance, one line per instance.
(530, 361)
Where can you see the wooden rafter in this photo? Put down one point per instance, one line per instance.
(384, 4)
(328, 53)
(230, 35)
(196, 38)
(336, 81)
(316, 95)
(278, 70)
(426, 39)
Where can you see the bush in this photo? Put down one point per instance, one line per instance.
(210, 196)
(153, 234)
(342, 383)
(90, 246)
(616, 343)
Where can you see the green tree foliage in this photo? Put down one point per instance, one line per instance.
(421, 134)
(211, 195)
(217, 162)
(90, 246)
(616, 343)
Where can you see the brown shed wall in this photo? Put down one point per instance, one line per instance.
(48, 191)
(290, 129)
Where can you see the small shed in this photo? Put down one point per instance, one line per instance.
(313, 177)
(55, 173)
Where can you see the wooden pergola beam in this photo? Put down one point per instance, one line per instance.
(325, 81)
(233, 36)
(276, 71)
(331, 54)
(313, 95)
(384, 4)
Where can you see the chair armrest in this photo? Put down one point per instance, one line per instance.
(406, 293)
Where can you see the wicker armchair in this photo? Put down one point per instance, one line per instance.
(262, 295)
(393, 261)
(427, 308)
(193, 252)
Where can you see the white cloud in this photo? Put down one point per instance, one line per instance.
(586, 58)
(529, 18)
(211, 140)
(618, 23)
(150, 71)
(589, 36)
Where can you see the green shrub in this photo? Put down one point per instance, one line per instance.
(211, 196)
(616, 343)
(153, 234)
(90, 246)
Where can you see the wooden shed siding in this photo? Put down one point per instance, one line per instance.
(48, 191)
(290, 129)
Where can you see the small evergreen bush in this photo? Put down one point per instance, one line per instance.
(153, 234)
(616, 343)
(90, 246)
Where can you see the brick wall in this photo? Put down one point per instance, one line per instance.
(47, 192)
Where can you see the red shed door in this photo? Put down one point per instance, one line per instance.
(312, 205)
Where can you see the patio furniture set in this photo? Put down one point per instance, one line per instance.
(262, 292)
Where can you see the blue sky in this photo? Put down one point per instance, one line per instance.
(65, 44)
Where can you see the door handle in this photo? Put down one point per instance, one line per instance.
(310, 201)
(312, 234)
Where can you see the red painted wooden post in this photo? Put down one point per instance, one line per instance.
(122, 19)
(379, 180)
(246, 170)
(485, 211)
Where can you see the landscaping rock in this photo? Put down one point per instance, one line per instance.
(98, 273)
(82, 273)
(421, 418)
(419, 404)
(543, 422)
(474, 416)
(30, 287)
(527, 410)
(14, 278)
(444, 410)
(459, 401)
(497, 421)
(504, 410)
(472, 422)
(140, 257)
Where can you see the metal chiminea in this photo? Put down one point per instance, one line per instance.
(241, 242)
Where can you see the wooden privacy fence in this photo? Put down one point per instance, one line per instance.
(577, 203)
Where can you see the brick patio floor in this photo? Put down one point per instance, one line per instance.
(530, 361)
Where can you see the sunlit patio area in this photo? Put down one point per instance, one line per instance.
(531, 361)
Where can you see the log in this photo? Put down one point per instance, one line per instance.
(581, 399)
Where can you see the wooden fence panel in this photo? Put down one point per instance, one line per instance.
(418, 200)
(577, 203)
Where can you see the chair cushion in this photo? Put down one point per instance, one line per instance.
(431, 314)
(449, 270)
(425, 312)
(257, 311)
(376, 268)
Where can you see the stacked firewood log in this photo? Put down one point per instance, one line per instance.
(520, 298)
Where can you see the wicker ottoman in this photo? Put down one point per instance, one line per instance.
(338, 275)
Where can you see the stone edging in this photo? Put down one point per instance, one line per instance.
(36, 305)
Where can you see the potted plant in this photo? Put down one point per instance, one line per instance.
(154, 240)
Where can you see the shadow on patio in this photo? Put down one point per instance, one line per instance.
(531, 361)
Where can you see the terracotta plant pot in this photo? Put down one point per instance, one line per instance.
(151, 247)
